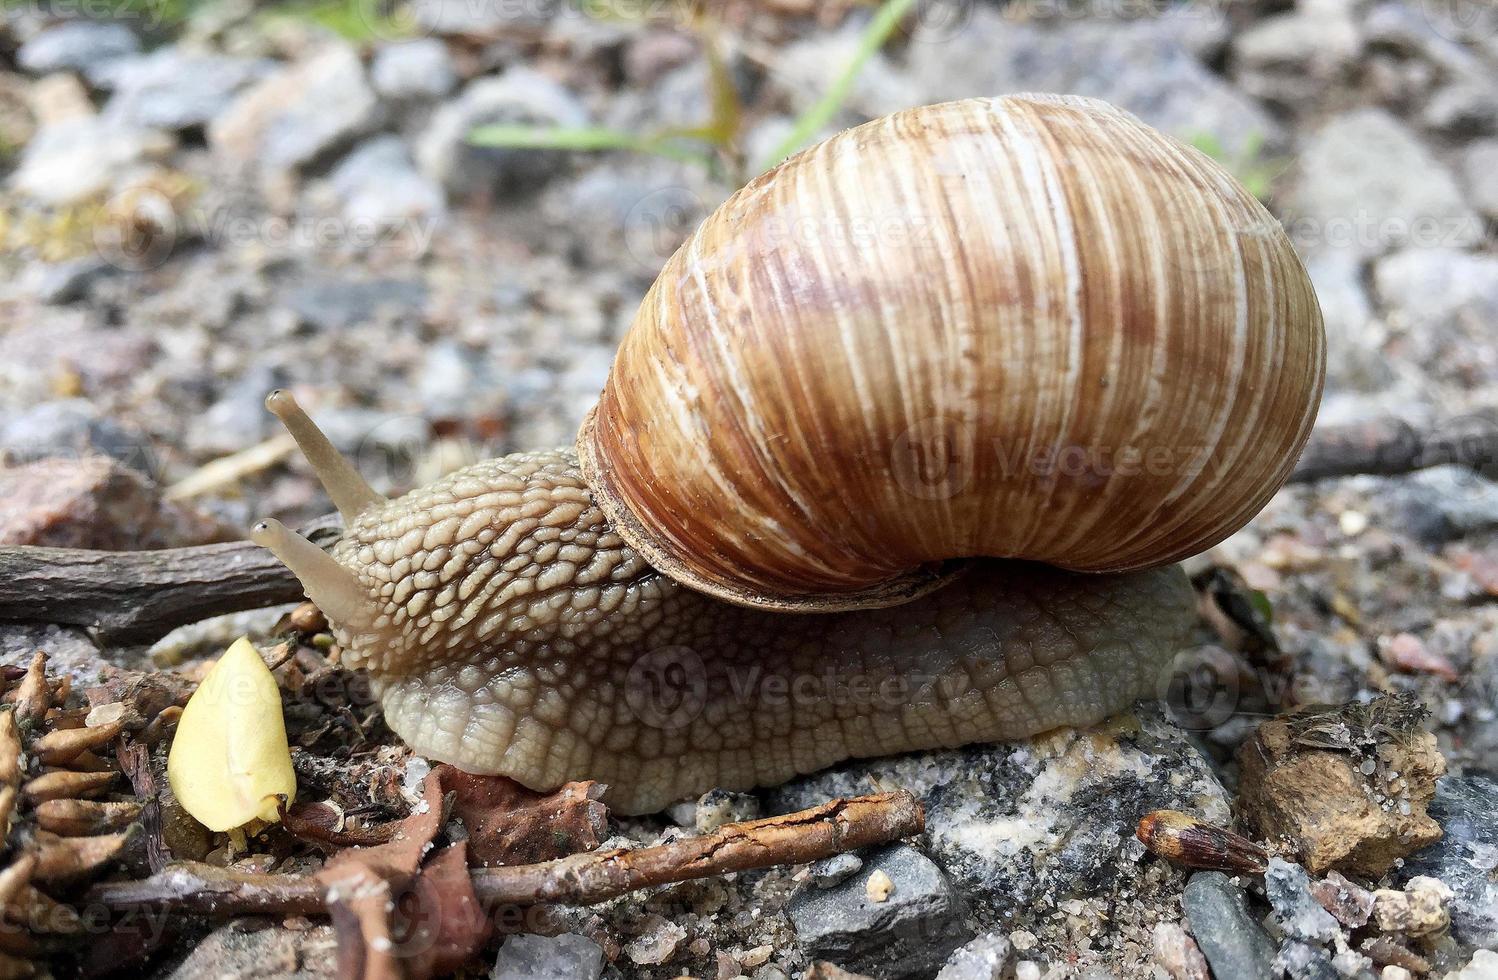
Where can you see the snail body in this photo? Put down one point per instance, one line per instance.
(823, 508)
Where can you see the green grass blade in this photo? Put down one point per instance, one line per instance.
(880, 27)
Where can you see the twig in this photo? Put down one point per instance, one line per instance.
(794, 838)
(1390, 446)
(582, 879)
(232, 468)
(139, 596)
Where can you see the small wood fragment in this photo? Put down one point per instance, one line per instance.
(581, 879)
(65, 784)
(1193, 842)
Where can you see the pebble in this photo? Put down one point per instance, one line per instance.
(1303, 961)
(1178, 954)
(836, 869)
(1227, 934)
(1293, 58)
(910, 933)
(378, 185)
(76, 45)
(717, 807)
(72, 427)
(1320, 802)
(565, 957)
(657, 944)
(334, 303)
(1433, 285)
(1418, 910)
(519, 96)
(1366, 184)
(1466, 857)
(174, 89)
(1295, 909)
(299, 115)
(73, 159)
(984, 958)
(1480, 168)
(419, 70)
(92, 503)
(1483, 966)
(1348, 903)
(1143, 64)
(1464, 110)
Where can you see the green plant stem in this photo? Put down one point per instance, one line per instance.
(821, 112)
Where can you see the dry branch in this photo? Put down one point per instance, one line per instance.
(580, 879)
(139, 596)
(1390, 446)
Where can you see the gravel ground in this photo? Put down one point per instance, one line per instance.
(198, 210)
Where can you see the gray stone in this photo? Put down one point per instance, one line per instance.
(487, 19)
(1012, 824)
(1292, 58)
(717, 807)
(809, 66)
(1441, 504)
(1433, 285)
(985, 958)
(1365, 185)
(835, 870)
(455, 381)
(74, 159)
(1295, 909)
(1464, 109)
(1302, 961)
(413, 70)
(300, 115)
(565, 957)
(1144, 65)
(908, 934)
(1466, 858)
(175, 89)
(1412, 29)
(238, 418)
(633, 213)
(1480, 168)
(1226, 932)
(519, 96)
(72, 427)
(335, 303)
(76, 46)
(379, 186)
(1352, 329)
(67, 281)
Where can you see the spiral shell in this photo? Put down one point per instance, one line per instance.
(1027, 327)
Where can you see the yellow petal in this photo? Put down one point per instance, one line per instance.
(229, 759)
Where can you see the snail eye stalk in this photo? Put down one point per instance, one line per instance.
(349, 492)
(334, 588)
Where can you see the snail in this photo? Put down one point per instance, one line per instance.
(899, 452)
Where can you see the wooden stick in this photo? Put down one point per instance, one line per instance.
(1390, 446)
(140, 596)
(580, 879)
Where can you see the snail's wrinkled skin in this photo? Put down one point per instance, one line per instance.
(510, 630)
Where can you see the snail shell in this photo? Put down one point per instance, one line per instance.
(1027, 327)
